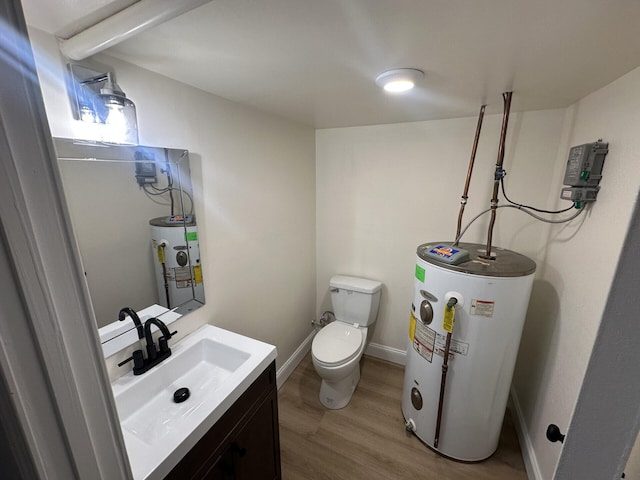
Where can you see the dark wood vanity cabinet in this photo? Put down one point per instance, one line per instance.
(244, 444)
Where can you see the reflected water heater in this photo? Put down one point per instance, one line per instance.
(176, 254)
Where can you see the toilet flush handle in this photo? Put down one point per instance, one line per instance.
(334, 290)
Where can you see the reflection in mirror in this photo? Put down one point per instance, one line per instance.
(133, 216)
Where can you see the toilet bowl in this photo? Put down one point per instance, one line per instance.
(337, 349)
(336, 352)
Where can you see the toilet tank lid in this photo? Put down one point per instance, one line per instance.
(355, 284)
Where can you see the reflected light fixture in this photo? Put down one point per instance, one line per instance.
(399, 80)
(97, 99)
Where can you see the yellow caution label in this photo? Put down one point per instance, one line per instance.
(197, 274)
(448, 319)
(412, 327)
(160, 252)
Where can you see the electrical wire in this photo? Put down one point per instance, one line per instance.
(157, 191)
(161, 191)
(524, 210)
(156, 198)
(186, 194)
(520, 205)
(547, 220)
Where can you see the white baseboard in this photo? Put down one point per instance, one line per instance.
(528, 453)
(292, 362)
(389, 354)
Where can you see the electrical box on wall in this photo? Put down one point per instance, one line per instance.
(584, 171)
(145, 167)
(579, 194)
(146, 173)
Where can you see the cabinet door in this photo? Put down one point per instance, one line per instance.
(244, 444)
(256, 448)
(222, 469)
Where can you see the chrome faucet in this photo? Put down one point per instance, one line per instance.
(134, 316)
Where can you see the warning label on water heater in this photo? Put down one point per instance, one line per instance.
(424, 339)
(482, 308)
(456, 347)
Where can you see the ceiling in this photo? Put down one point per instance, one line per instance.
(315, 61)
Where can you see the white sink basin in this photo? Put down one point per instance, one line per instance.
(215, 365)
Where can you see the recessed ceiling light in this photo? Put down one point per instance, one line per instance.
(399, 79)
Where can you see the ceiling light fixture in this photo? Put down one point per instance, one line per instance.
(96, 99)
(123, 25)
(399, 79)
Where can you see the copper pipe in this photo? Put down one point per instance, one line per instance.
(443, 384)
(165, 274)
(506, 97)
(463, 199)
(170, 182)
(443, 380)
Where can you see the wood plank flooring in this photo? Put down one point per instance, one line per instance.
(367, 439)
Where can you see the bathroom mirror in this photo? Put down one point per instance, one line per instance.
(133, 217)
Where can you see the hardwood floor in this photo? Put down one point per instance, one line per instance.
(367, 439)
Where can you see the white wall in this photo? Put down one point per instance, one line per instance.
(383, 190)
(569, 296)
(254, 180)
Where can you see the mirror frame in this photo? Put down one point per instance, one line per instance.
(118, 335)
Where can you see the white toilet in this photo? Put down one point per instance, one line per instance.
(337, 348)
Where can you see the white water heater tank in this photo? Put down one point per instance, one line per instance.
(176, 255)
(493, 296)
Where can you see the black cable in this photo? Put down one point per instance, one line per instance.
(159, 192)
(162, 190)
(504, 194)
(523, 210)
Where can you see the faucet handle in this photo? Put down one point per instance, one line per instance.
(163, 345)
(125, 361)
(138, 359)
(152, 353)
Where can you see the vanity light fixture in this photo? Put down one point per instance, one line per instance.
(399, 79)
(97, 99)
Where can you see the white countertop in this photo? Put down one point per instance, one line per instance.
(158, 432)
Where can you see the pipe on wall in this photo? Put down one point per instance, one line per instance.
(123, 25)
(506, 97)
(465, 192)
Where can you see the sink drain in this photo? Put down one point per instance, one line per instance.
(181, 394)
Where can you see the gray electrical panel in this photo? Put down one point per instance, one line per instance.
(584, 171)
(146, 173)
(580, 194)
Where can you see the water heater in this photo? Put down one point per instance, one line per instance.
(458, 410)
(176, 255)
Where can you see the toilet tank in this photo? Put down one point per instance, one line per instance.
(355, 300)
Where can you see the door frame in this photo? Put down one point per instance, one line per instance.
(51, 360)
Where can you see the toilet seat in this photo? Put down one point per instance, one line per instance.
(337, 343)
